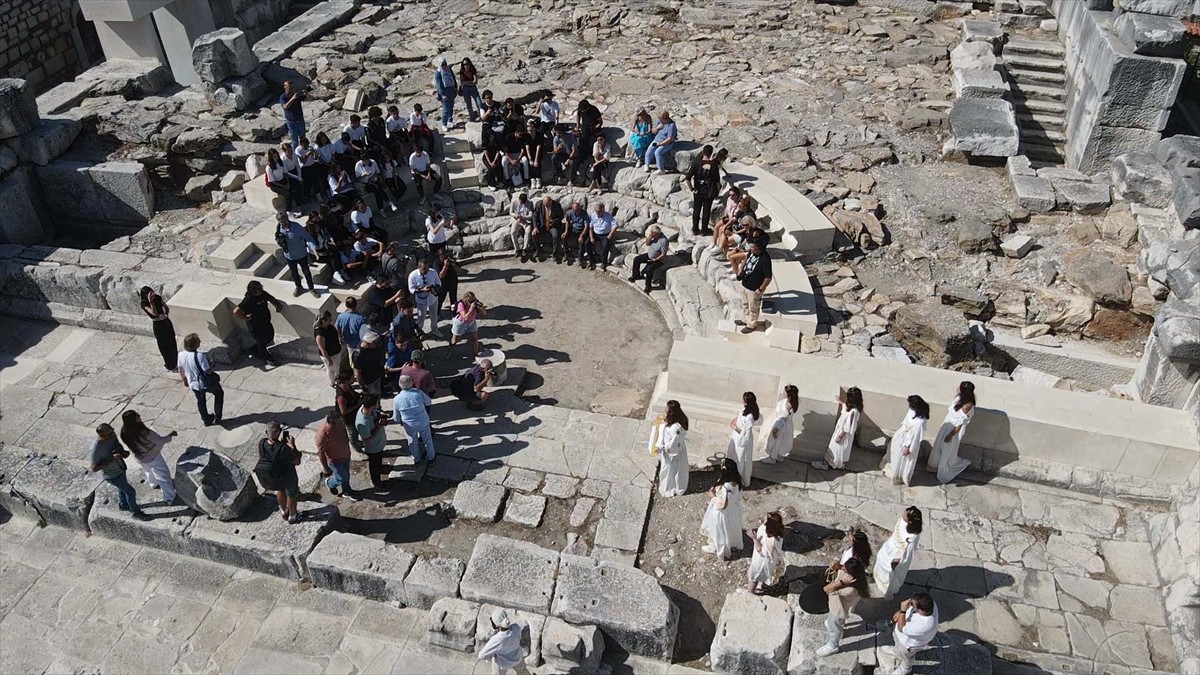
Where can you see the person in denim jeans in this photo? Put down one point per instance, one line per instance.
(468, 84)
(192, 365)
(293, 112)
(447, 91)
(665, 133)
(108, 456)
(333, 450)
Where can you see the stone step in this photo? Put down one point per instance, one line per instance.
(463, 179)
(231, 254)
(1039, 107)
(1025, 62)
(459, 163)
(258, 264)
(1026, 121)
(1036, 77)
(1038, 48)
(1036, 135)
(1023, 92)
(1048, 154)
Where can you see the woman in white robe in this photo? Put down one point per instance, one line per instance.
(669, 442)
(741, 439)
(722, 522)
(901, 459)
(783, 431)
(896, 554)
(849, 413)
(766, 565)
(944, 457)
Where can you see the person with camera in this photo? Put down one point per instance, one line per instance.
(466, 314)
(368, 362)
(471, 388)
(276, 469)
(439, 228)
(108, 456)
(333, 451)
(372, 429)
(293, 111)
(423, 283)
(447, 269)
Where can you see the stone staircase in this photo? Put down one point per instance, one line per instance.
(1037, 81)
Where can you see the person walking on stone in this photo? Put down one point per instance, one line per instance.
(164, 331)
(253, 310)
(297, 244)
(943, 458)
(276, 469)
(849, 412)
(848, 587)
(108, 457)
(916, 627)
(466, 323)
(147, 446)
(901, 459)
(896, 555)
(333, 451)
(198, 376)
(668, 440)
(446, 85)
(783, 430)
(741, 438)
(372, 430)
(293, 111)
(766, 565)
(503, 649)
(722, 522)
(410, 408)
(648, 263)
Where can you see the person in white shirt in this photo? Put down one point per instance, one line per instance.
(521, 229)
(601, 231)
(422, 171)
(391, 176)
(916, 626)
(357, 132)
(368, 174)
(363, 218)
(419, 129)
(423, 283)
(439, 228)
(504, 648)
(599, 170)
(193, 365)
(312, 172)
(547, 114)
(291, 164)
(397, 131)
(281, 182)
(341, 187)
(370, 250)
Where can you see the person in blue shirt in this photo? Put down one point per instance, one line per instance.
(297, 243)
(577, 221)
(293, 112)
(410, 409)
(447, 91)
(665, 133)
(349, 325)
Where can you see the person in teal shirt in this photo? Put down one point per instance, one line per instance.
(373, 432)
(641, 135)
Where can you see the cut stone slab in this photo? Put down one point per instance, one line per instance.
(1017, 246)
(166, 530)
(984, 127)
(214, 484)
(523, 480)
(18, 108)
(1097, 276)
(1082, 197)
(45, 142)
(934, 333)
(982, 31)
(305, 28)
(625, 603)
(358, 565)
(20, 222)
(1152, 35)
(478, 501)
(973, 55)
(809, 633)
(261, 540)
(1034, 194)
(979, 83)
(452, 624)
(619, 534)
(60, 490)
(581, 511)
(510, 573)
(571, 648)
(124, 191)
(559, 486)
(432, 578)
(754, 634)
(524, 509)
(1141, 177)
(222, 54)
(629, 503)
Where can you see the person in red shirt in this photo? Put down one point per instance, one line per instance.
(333, 449)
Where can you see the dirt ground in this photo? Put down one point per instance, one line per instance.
(698, 582)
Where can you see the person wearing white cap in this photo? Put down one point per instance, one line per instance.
(504, 649)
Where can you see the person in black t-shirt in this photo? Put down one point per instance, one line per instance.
(514, 161)
(704, 180)
(755, 277)
(534, 145)
(590, 121)
(368, 361)
(750, 233)
(253, 310)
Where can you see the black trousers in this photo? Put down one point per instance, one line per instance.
(164, 335)
(290, 188)
(298, 266)
(202, 402)
(375, 468)
(651, 268)
(701, 212)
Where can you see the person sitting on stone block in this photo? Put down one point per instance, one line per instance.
(419, 129)
(399, 140)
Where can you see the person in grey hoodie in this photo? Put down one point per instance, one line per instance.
(447, 90)
(296, 243)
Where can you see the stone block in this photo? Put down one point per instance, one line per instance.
(124, 191)
(525, 509)
(625, 603)
(46, 142)
(1017, 246)
(510, 573)
(1179, 152)
(358, 565)
(974, 30)
(1034, 194)
(18, 108)
(979, 83)
(1082, 197)
(618, 534)
(1140, 177)
(809, 634)
(166, 530)
(984, 127)
(478, 501)
(132, 78)
(1174, 8)
(452, 624)
(60, 490)
(1152, 35)
(1177, 329)
(1097, 276)
(975, 236)
(74, 191)
(199, 188)
(1185, 198)
(222, 54)
(261, 540)
(570, 648)
(973, 56)
(304, 28)
(946, 655)
(238, 93)
(355, 100)
(432, 578)
(754, 634)
(259, 196)
(934, 333)
(214, 484)
(19, 219)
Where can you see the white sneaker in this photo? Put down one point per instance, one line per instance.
(638, 165)
(826, 649)
(820, 465)
(649, 168)
(660, 172)
(338, 278)
(714, 250)
(394, 207)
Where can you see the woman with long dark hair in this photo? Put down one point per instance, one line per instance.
(280, 181)
(943, 458)
(766, 565)
(896, 554)
(668, 440)
(741, 438)
(722, 522)
(849, 413)
(164, 331)
(147, 446)
(848, 587)
(468, 82)
(783, 430)
(901, 460)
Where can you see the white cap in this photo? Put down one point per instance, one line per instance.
(500, 618)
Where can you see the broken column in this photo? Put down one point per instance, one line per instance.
(213, 484)
(228, 68)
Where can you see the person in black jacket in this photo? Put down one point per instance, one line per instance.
(276, 469)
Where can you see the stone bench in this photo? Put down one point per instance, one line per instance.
(1133, 442)
(802, 228)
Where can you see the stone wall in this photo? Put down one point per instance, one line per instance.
(258, 18)
(1175, 536)
(40, 45)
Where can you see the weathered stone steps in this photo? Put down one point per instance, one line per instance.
(1036, 48)
(1023, 62)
